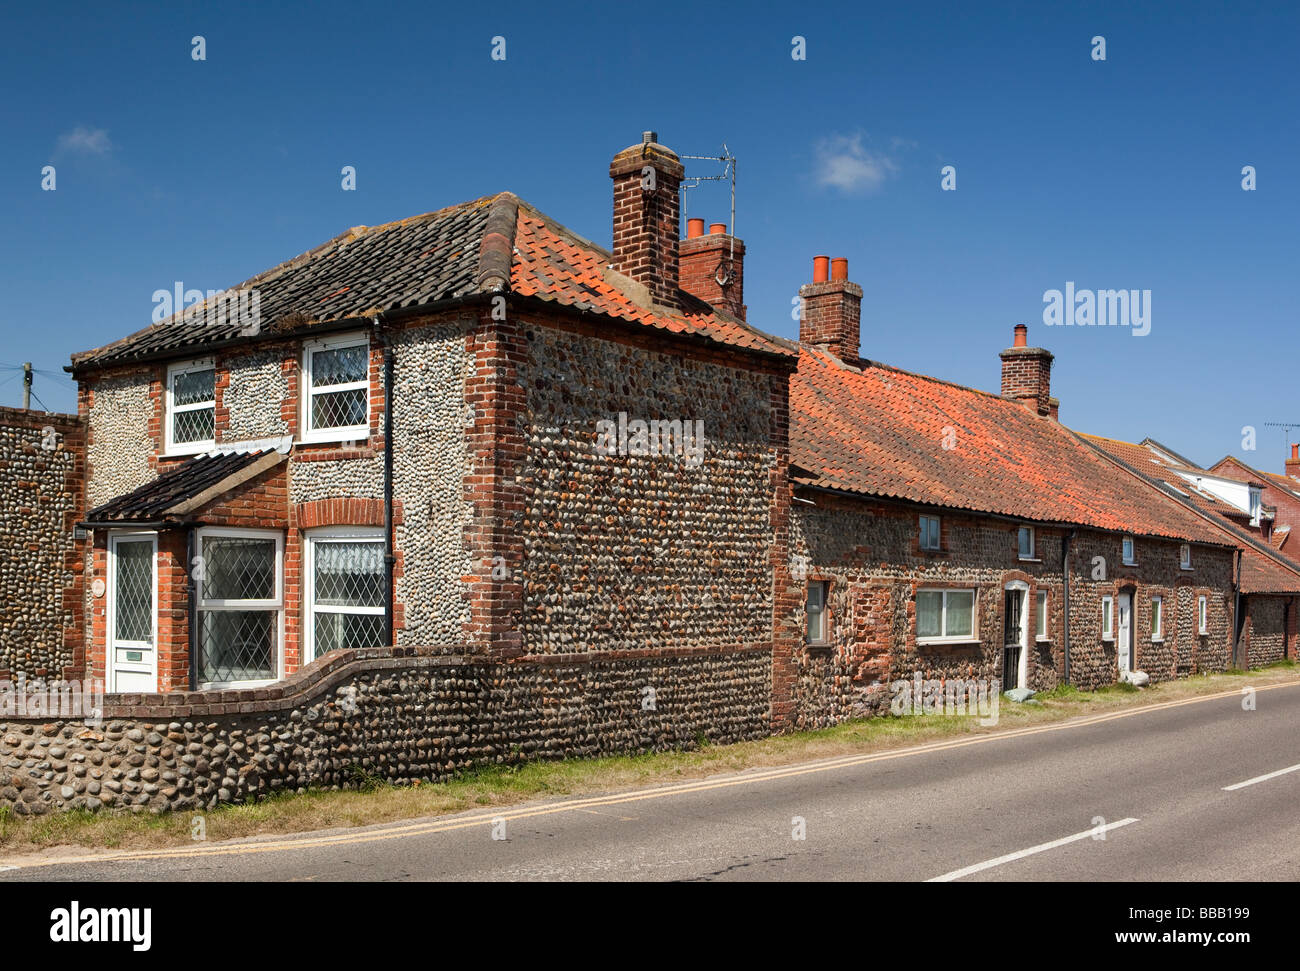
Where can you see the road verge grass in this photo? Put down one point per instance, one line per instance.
(500, 786)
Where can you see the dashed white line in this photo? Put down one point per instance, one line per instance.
(1262, 778)
(1021, 854)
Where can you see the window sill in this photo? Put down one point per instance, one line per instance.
(947, 642)
(1042, 640)
(188, 454)
(358, 436)
(1107, 640)
(233, 685)
(1128, 562)
(1029, 559)
(1187, 569)
(1157, 640)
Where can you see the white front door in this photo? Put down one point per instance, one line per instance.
(132, 612)
(1125, 649)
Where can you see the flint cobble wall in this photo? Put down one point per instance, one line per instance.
(869, 555)
(42, 478)
(627, 551)
(389, 714)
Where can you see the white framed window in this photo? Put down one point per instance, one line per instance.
(1107, 618)
(929, 536)
(240, 578)
(1040, 617)
(191, 407)
(336, 389)
(1202, 615)
(816, 611)
(1026, 542)
(1129, 552)
(945, 616)
(1185, 556)
(1157, 618)
(344, 604)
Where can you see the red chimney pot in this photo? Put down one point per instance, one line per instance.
(717, 228)
(821, 269)
(840, 268)
(1022, 336)
(694, 227)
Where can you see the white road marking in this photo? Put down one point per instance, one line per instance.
(1021, 854)
(1262, 778)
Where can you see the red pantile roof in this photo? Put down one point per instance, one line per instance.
(458, 252)
(1263, 569)
(880, 431)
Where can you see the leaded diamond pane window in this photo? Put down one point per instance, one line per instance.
(350, 574)
(191, 406)
(238, 568)
(347, 589)
(192, 426)
(193, 387)
(338, 409)
(342, 365)
(134, 592)
(239, 607)
(339, 386)
(341, 632)
(237, 645)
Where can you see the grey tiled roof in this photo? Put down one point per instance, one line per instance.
(362, 272)
(154, 500)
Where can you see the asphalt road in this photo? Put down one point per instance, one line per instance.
(1026, 805)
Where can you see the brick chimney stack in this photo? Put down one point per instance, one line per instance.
(1027, 374)
(831, 314)
(1293, 463)
(646, 215)
(713, 267)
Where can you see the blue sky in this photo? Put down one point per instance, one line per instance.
(1123, 173)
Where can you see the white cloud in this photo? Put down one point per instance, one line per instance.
(85, 141)
(844, 163)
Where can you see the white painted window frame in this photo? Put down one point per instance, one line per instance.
(1033, 543)
(1184, 556)
(1157, 613)
(1041, 630)
(1128, 558)
(938, 531)
(1107, 618)
(329, 534)
(170, 445)
(349, 433)
(110, 606)
(825, 588)
(276, 604)
(1202, 614)
(971, 638)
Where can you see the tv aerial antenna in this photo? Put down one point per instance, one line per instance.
(728, 173)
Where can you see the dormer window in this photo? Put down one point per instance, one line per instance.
(191, 407)
(336, 389)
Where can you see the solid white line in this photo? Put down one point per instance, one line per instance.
(1261, 778)
(1020, 854)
